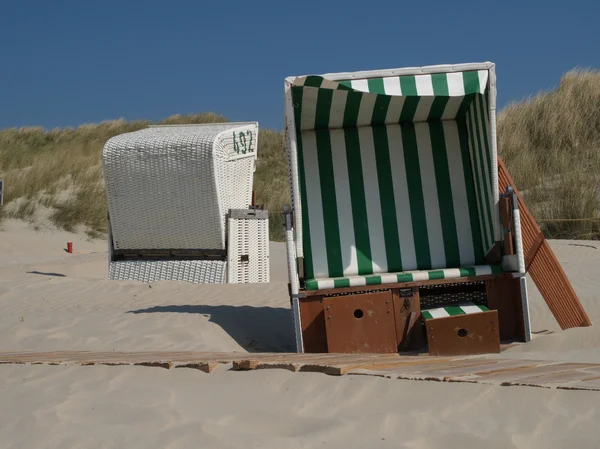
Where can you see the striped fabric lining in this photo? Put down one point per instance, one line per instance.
(321, 103)
(379, 199)
(461, 309)
(408, 196)
(410, 276)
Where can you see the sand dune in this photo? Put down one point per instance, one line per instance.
(51, 300)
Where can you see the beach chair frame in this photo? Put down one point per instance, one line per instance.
(511, 283)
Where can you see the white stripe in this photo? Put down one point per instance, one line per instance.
(395, 109)
(389, 278)
(362, 85)
(419, 275)
(468, 309)
(299, 81)
(365, 112)
(402, 201)
(357, 281)
(479, 192)
(483, 79)
(424, 85)
(430, 197)
(392, 86)
(326, 283)
(338, 105)
(314, 205)
(481, 270)
(367, 154)
(309, 107)
(451, 273)
(459, 194)
(344, 202)
(438, 313)
(423, 109)
(452, 108)
(456, 84)
(328, 84)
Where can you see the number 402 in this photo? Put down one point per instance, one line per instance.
(242, 146)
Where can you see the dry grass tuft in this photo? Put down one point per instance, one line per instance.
(60, 170)
(551, 146)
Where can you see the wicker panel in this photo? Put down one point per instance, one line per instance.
(248, 250)
(195, 271)
(171, 187)
(442, 295)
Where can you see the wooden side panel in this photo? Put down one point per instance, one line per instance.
(476, 333)
(313, 324)
(507, 224)
(544, 268)
(504, 295)
(409, 324)
(362, 323)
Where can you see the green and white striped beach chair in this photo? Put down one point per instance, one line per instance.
(394, 180)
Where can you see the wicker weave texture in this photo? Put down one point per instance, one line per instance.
(248, 252)
(171, 187)
(195, 271)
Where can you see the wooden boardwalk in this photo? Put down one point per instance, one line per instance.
(474, 369)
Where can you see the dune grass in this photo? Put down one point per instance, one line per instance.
(550, 144)
(58, 173)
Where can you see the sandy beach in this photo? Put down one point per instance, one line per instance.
(51, 300)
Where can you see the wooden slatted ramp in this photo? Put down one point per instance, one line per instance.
(474, 369)
(543, 266)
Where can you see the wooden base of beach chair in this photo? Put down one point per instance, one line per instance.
(475, 333)
(377, 319)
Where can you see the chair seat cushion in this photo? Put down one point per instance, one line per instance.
(461, 309)
(408, 276)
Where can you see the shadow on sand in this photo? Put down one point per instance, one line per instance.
(256, 329)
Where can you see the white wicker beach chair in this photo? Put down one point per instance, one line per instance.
(178, 201)
(394, 193)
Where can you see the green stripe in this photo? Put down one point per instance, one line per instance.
(376, 86)
(471, 82)
(440, 90)
(313, 81)
(483, 308)
(454, 310)
(415, 193)
(464, 106)
(352, 108)
(333, 244)
(444, 190)
(436, 274)
(497, 269)
(386, 197)
(297, 94)
(405, 277)
(382, 103)
(470, 188)
(478, 184)
(408, 86)
(359, 202)
(322, 113)
(341, 283)
(311, 285)
(373, 280)
(469, 271)
(485, 174)
(427, 315)
(489, 164)
(346, 83)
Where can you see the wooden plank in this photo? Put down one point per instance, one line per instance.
(507, 223)
(545, 270)
(312, 319)
(504, 295)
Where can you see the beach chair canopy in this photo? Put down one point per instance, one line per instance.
(171, 187)
(393, 171)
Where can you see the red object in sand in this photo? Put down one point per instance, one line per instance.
(70, 247)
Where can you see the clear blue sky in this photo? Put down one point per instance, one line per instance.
(64, 63)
